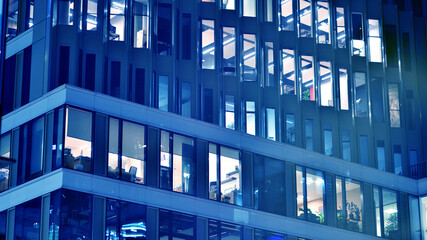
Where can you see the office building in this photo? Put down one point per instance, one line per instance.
(213, 119)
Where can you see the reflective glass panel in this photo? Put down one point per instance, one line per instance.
(390, 213)
(133, 223)
(327, 140)
(65, 12)
(249, 57)
(113, 149)
(300, 181)
(213, 172)
(374, 41)
(141, 24)
(346, 145)
(309, 134)
(361, 98)
(267, 235)
(340, 22)
(323, 26)
(269, 63)
(286, 15)
(377, 99)
(78, 140)
(305, 18)
(394, 104)
(341, 211)
(343, 89)
(186, 99)
(117, 20)
(315, 186)
(27, 220)
(381, 155)
(76, 215)
(358, 40)
(397, 158)
(363, 150)
(229, 112)
(290, 128)
(249, 8)
(354, 204)
(271, 123)
(163, 93)
(37, 146)
(173, 225)
(250, 118)
(164, 29)
(165, 160)
(91, 18)
(228, 4)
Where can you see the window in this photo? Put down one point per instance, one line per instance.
(177, 169)
(323, 25)
(358, 40)
(113, 149)
(377, 99)
(125, 220)
(349, 204)
(186, 36)
(413, 157)
(37, 146)
(249, 57)
(133, 153)
(223, 230)
(186, 99)
(374, 41)
(117, 20)
(250, 118)
(381, 164)
(363, 150)
(173, 225)
(397, 158)
(346, 145)
(92, 18)
(343, 89)
(290, 129)
(213, 171)
(5, 167)
(3, 224)
(27, 220)
(310, 185)
(163, 93)
(228, 4)
(164, 29)
(229, 112)
(268, 10)
(183, 165)
(269, 64)
(65, 12)
(90, 69)
(360, 92)
(309, 134)
(115, 78)
(12, 19)
(141, 25)
(286, 15)
(406, 48)
(414, 214)
(307, 79)
(305, 18)
(208, 44)
(271, 123)
(391, 45)
(269, 185)
(340, 22)
(231, 175)
(78, 140)
(208, 105)
(394, 104)
(288, 72)
(29, 21)
(208, 0)
(229, 51)
(386, 213)
(249, 8)
(263, 234)
(327, 140)
(326, 84)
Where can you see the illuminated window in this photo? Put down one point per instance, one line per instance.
(305, 18)
(208, 44)
(340, 22)
(358, 39)
(65, 12)
(229, 51)
(140, 24)
(310, 191)
(308, 92)
(250, 118)
(269, 64)
(271, 123)
(326, 84)
(249, 57)
(343, 89)
(394, 104)
(349, 204)
(117, 20)
(229, 112)
(323, 25)
(286, 15)
(91, 18)
(228, 4)
(374, 41)
(249, 8)
(327, 140)
(268, 10)
(288, 72)
(290, 128)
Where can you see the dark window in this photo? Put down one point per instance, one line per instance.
(90, 72)
(80, 79)
(3, 222)
(377, 99)
(76, 215)
(186, 99)
(186, 36)
(391, 45)
(363, 150)
(381, 155)
(8, 85)
(174, 225)
(27, 220)
(24, 154)
(139, 85)
(222, 230)
(397, 158)
(269, 185)
(125, 220)
(164, 29)
(208, 105)
(115, 79)
(26, 76)
(64, 64)
(263, 234)
(407, 60)
(357, 26)
(37, 143)
(12, 19)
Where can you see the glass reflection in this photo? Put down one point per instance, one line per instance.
(323, 26)
(305, 18)
(184, 169)
(229, 51)
(231, 186)
(208, 44)
(133, 153)
(117, 20)
(140, 24)
(340, 22)
(249, 57)
(308, 92)
(286, 15)
(326, 84)
(288, 72)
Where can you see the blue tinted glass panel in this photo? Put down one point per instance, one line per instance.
(76, 215)
(174, 225)
(27, 220)
(3, 222)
